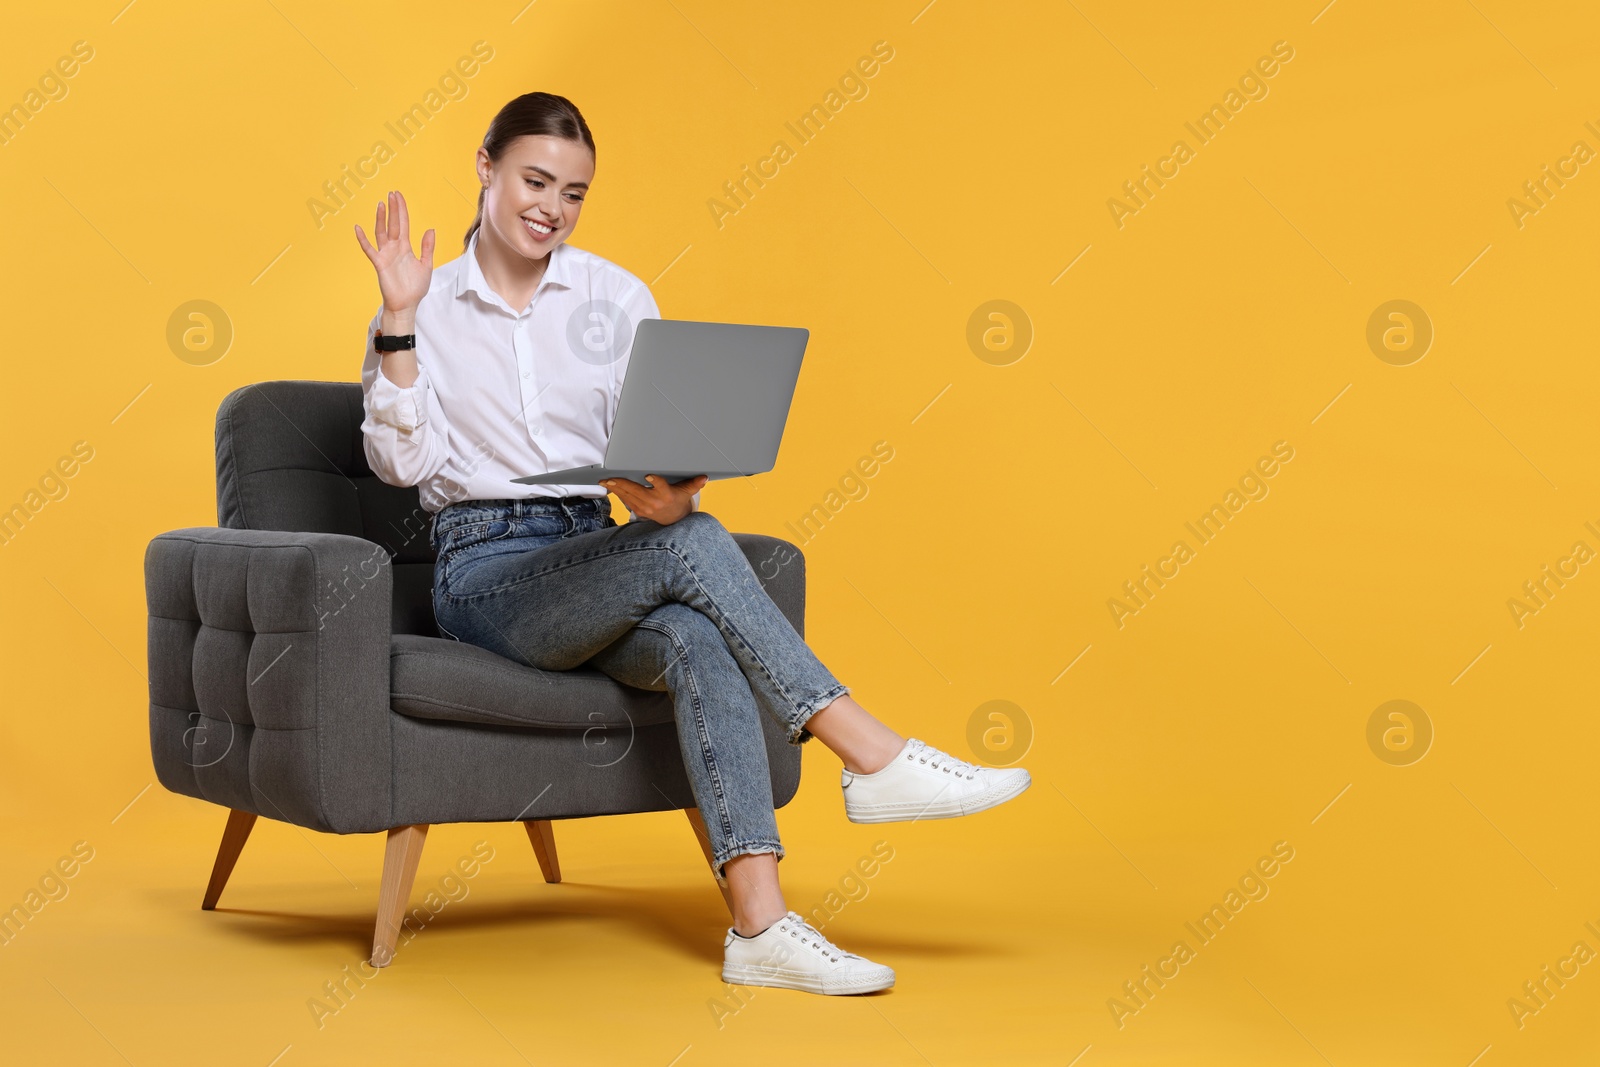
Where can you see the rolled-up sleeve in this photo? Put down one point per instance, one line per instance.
(403, 432)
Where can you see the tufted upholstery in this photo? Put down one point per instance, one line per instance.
(296, 670)
(310, 473)
(260, 698)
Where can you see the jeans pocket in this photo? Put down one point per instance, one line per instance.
(468, 534)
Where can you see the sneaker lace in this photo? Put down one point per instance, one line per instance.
(810, 936)
(943, 761)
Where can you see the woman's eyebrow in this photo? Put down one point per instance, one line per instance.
(551, 177)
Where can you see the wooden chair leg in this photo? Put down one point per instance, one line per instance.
(400, 859)
(240, 823)
(704, 838)
(543, 837)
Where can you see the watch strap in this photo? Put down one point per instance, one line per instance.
(395, 343)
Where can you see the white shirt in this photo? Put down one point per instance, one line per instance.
(501, 393)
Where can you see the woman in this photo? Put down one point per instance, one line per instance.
(508, 361)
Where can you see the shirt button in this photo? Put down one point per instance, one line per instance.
(527, 374)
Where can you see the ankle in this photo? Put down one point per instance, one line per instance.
(875, 760)
(754, 925)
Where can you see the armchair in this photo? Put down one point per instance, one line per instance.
(296, 671)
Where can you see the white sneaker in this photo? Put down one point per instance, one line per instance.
(791, 954)
(925, 783)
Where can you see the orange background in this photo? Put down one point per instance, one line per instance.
(1028, 483)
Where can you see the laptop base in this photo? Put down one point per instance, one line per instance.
(592, 474)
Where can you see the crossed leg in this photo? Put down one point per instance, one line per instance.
(680, 650)
(678, 607)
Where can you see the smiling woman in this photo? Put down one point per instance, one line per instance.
(536, 115)
(495, 348)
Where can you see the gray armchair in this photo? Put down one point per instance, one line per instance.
(296, 671)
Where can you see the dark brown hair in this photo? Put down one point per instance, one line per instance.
(529, 115)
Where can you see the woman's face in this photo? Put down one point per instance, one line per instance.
(538, 182)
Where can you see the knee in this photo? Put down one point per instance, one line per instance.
(700, 529)
(699, 540)
(692, 634)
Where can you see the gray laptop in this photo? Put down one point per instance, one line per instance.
(699, 398)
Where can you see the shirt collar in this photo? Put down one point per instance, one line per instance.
(470, 277)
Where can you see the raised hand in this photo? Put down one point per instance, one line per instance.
(402, 277)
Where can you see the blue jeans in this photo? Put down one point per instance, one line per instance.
(555, 583)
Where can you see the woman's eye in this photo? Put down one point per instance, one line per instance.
(575, 198)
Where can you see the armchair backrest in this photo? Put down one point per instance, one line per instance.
(290, 457)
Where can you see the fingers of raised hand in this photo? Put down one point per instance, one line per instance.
(366, 246)
(405, 219)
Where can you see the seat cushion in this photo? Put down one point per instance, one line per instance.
(436, 678)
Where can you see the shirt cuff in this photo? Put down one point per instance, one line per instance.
(406, 409)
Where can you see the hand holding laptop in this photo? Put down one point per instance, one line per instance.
(664, 502)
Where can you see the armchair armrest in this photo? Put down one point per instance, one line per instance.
(269, 673)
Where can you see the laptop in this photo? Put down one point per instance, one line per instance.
(706, 398)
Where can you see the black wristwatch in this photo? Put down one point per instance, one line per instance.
(397, 343)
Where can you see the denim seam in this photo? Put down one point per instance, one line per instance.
(724, 817)
(723, 621)
(672, 550)
(509, 643)
(563, 565)
(448, 555)
(799, 712)
(489, 522)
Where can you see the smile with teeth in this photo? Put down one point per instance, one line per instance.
(539, 227)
